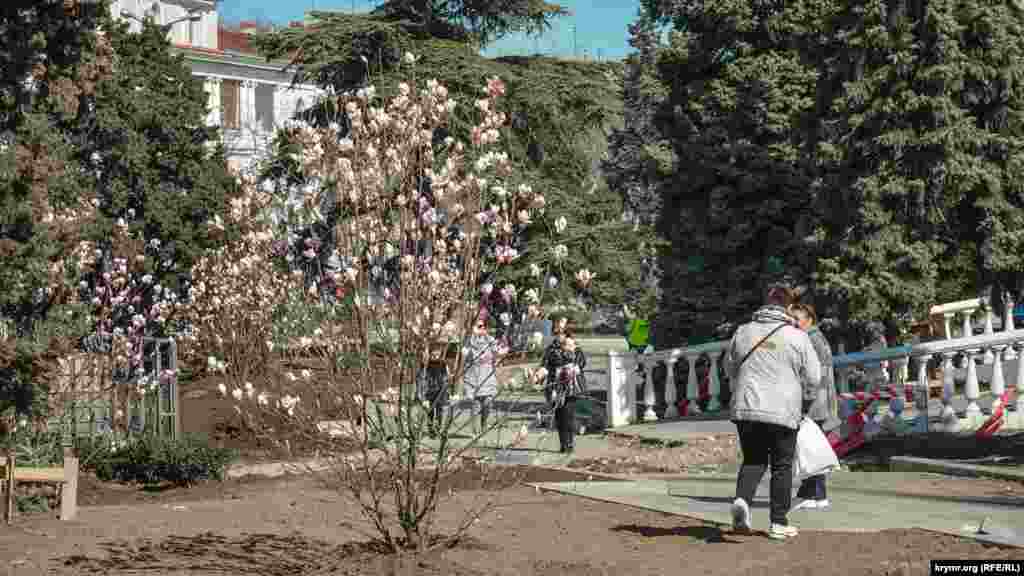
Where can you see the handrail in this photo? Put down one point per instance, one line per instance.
(955, 307)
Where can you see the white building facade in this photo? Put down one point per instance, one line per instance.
(248, 96)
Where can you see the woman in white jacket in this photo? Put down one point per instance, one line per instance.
(774, 368)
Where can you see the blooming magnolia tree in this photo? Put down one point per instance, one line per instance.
(425, 225)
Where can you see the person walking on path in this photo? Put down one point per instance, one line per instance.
(824, 409)
(432, 386)
(480, 380)
(774, 368)
(568, 385)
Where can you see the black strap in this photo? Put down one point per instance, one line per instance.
(758, 345)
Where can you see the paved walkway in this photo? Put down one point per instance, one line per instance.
(861, 502)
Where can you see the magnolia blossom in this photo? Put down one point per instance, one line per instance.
(560, 224)
(583, 277)
(505, 318)
(552, 282)
(532, 296)
(237, 394)
(486, 289)
(262, 399)
(535, 271)
(560, 252)
(223, 389)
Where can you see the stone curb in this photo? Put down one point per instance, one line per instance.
(913, 464)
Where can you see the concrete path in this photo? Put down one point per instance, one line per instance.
(861, 502)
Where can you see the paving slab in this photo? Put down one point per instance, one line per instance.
(861, 502)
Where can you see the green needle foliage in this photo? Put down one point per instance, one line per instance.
(110, 119)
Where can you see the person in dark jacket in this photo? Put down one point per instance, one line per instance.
(432, 387)
(567, 364)
(824, 408)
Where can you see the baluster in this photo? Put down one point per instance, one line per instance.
(921, 396)
(989, 355)
(691, 386)
(949, 419)
(1009, 353)
(971, 389)
(714, 386)
(649, 414)
(947, 319)
(968, 331)
(998, 381)
(1019, 383)
(672, 410)
(903, 372)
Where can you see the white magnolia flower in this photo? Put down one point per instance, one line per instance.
(306, 374)
(560, 224)
(222, 389)
(261, 399)
(237, 394)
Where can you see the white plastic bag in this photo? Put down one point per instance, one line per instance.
(814, 455)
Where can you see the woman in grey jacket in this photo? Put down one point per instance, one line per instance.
(823, 409)
(773, 368)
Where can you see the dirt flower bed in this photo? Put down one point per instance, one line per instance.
(629, 455)
(293, 527)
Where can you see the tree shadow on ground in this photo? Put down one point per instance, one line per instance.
(706, 533)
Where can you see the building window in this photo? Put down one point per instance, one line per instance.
(230, 108)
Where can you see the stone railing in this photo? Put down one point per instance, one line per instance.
(623, 379)
(1003, 347)
(965, 311)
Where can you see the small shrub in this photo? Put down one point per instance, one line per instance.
(153, 460)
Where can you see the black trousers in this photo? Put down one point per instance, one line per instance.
(763, 445)
(565, 421)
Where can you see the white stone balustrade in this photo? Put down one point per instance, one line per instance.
(1004, 347)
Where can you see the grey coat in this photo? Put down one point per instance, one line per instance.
(824, 407)
(480, 375)
(778, 376)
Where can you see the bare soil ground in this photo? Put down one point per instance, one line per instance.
(293, 526)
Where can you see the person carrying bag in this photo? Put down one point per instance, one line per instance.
(773, 367)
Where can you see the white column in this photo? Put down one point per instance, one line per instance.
(989, 355)
(967, 328)
(621, 399)
(949, 420)
(998, 380)
(921, 396)
(971, 389)
(649, 399)
(691, 385)
(1019, 381)
(1009, 353)
(672, 410)
(213, 113)
(714, 386)
(247, 102)
(946, 322)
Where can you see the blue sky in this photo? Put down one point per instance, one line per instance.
(600, 24)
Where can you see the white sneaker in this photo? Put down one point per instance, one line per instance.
(780, 532)
(740, 516)
(806, 504)
(823, 503)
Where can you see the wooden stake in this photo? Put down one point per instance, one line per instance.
(9, 489)
(69, 489)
